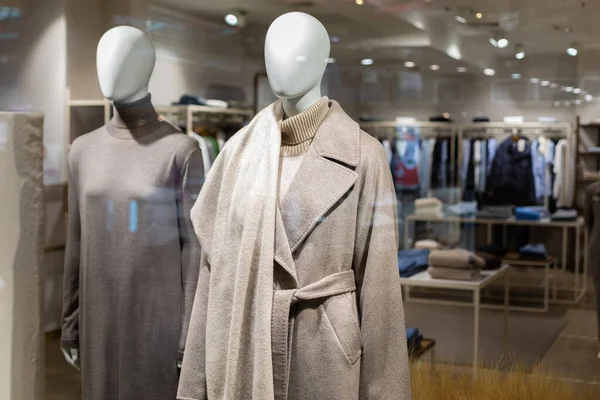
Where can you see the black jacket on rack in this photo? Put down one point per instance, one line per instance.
(511, 178)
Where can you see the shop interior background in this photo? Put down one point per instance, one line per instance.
(428, 58)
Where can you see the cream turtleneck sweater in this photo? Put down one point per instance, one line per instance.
(297, 133)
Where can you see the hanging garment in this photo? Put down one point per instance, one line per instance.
(305, 299)
(549, 158)
(425, 167)
(511, 180)
(407, 145)
(539, 171)
(206, 158)
(492, 145)
(131, 263)
(563, 168)
(478, 166)
(387, 146)
(444, 165)
(484, 165)
(466, 155)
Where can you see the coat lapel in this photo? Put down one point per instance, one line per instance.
(324, 177)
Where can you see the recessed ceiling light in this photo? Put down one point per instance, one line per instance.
(360, 2)
(367, 61)
(589, 97)
(446, 115)
(231, 19)
(461, 69)
(569, 89)
(434, 67)
(479, 15)
(578, 102)
(516, 76)
(489, 72)
(576, 91)
(534, 80)
(556, 104)
(554, 85)
(499, 42)
(460, 19)
(520, 52)
(572, 51)
(330, 60)
(409, 64)
(545, 83)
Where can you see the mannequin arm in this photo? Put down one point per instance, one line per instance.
(192, 179)
(384, 368)
(70, 314)
(72, 357)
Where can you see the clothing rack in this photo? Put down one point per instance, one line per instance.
(500, 131)
(383, 130)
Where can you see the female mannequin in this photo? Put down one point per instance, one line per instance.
(298, 298)
(132, 259)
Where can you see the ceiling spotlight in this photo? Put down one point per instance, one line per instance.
(330, 60)
(556, 104)
(569, 89)
(479, 15)
(554, 85)
(489, 72)
(516, 76)
(572, 51)
(360, 2)
(545, 83)
(460, 19)
(589, 97)
(576, 91)
(409, 64)
(499, 41)
(534, 80)
(578, 102)
(236, 18)
(434, 67)
(367, 61)
(520, 52)
(461, 69)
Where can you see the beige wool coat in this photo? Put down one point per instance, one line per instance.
(337, 320)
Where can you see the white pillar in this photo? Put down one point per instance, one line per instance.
(21, 250)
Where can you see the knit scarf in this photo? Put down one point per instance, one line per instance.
(234, 218)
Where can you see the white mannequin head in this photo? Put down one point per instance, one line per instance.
(296, 53)
(125, 60)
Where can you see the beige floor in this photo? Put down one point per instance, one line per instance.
(572, 357)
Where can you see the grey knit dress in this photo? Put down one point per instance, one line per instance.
(132, 258)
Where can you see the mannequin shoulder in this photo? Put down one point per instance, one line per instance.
(85, 143)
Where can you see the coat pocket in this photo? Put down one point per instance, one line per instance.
(342, 315)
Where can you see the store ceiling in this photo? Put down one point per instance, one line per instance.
(424, 31)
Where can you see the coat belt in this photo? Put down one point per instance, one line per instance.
(282, 323)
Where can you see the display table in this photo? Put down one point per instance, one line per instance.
(580, 283)
(424, 280)
(513, 260)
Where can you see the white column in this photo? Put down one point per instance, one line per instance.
(21, 249)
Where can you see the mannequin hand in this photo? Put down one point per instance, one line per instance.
(72, 357)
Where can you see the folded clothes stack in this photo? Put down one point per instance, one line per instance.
(528, 214)
(493, 255)
(533, 252)
(455, 264)
(564, 215)
(496, 212)
(412, 261)
(428, 244)
(429, 207)
(463, 208)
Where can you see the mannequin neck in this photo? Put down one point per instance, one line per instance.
(135, 114)
(133, 98)
(296, 105)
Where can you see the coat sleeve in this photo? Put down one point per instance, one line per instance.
(192, 382)
(385, 370)
(70, 312)
(192, 180)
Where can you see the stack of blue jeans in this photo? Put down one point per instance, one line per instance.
(412, 261)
